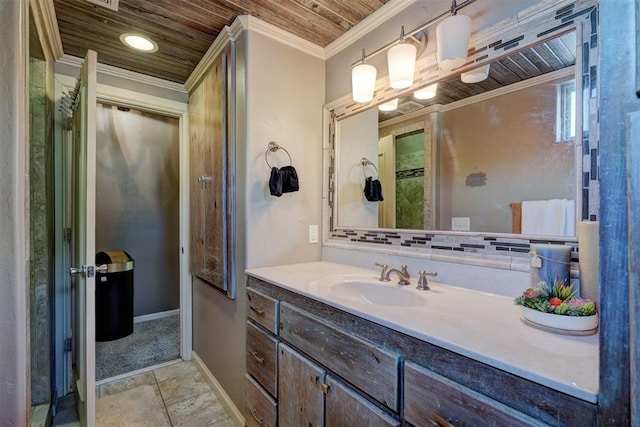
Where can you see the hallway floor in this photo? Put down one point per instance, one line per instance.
(171, 396)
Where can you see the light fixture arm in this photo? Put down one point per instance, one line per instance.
(454, 9)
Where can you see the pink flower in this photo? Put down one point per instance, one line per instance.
(531, 293)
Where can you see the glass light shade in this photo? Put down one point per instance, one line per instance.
(402, 63)
(363, 82)
(452, 37)
(476, 75)
(427, 92)
(138, 42)
(389, 106)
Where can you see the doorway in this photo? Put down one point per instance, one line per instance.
(137, 211)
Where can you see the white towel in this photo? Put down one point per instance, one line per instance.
(555, 217)
(533, 213)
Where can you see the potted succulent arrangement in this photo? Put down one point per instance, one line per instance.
(554, 305)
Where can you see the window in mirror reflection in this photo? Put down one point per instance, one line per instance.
(566, 111)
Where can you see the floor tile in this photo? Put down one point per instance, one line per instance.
(128, 383)
(174, 370)
(201, 410)
(137, 407)
(176, 389)
(225, 422)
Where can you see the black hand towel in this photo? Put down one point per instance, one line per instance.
(289, 179)
(275, 183)
(373, 190)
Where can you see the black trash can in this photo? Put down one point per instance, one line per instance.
(114, 296)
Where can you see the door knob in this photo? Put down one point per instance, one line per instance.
(77, 271)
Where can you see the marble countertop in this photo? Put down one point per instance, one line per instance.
(481, 326)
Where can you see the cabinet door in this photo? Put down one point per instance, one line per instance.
(261, 408)
(429, 398)
(300, 396)
(346, 408)
(208, 176)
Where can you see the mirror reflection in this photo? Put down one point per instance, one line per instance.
(496, 156)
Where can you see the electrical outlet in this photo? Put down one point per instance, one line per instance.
(460, 223)
(313, 233)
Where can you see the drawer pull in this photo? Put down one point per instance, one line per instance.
(325, 388)
(257, 356)
(255, 416)
(258, 310)
(439, 421)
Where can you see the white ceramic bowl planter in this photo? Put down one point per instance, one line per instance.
(561, 322)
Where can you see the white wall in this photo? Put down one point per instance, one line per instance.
(283, 103)
(14, 334)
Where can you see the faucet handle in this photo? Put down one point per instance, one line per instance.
(384, 267)
(404, 269)
(423, 283)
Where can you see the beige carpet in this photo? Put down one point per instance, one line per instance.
(137, 407)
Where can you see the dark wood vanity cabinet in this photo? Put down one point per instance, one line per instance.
(368, 375)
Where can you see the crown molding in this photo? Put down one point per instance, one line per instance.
(259, 26)
(367, 25)
(218, 45)
(44, 15)
(112, 71)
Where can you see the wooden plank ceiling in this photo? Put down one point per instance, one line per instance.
(184, 29)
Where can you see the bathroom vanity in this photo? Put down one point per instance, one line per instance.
(327, 344)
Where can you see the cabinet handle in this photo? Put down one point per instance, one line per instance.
(255, 416)
(314, 378)
(258, 310)
(257, 356)
(325, 388)
(439, 421)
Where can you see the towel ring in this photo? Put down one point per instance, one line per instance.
(366, 162)
(272, 148)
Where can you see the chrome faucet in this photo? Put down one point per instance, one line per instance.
(423, 283)
(403, 274)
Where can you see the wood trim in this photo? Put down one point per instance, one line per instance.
(44, 15)
(223, 397)
(366, 26)
(112, 71)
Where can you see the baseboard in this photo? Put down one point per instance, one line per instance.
(235, 415)
(154, 316)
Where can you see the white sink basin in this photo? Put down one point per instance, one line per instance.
(377, 293)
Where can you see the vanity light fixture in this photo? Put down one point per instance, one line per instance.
(389, 105)
(452, 39)
(401, 59)
(139, 42)
(363, 81)
(476, 75)
(426, 92)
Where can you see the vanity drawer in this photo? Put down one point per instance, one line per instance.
(261, 409)
(431, 399)
(263, 309)
(372, 369)
(262, 357)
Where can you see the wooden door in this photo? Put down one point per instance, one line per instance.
(208, 176)
(346, 408)
(300, 396)
(82, 271)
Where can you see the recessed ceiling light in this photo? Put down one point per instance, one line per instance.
(138, 42)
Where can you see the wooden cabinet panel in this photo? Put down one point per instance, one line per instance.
(261, 408)
(372, 369)
(346, 408)
(262, 357)
(263, 309)
(428, 395)
(209, 169)
(300, 396)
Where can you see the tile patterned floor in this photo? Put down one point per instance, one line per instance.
(171, 396)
